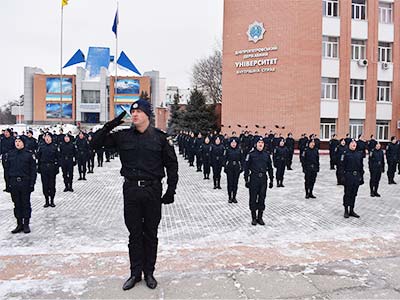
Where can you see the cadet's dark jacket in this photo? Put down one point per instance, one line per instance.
(258, 162)
(361, 147)
(281, 154)
(48, 154)
(333, 143)
(217, 155)
(143, 155)
(205, 150)
(392, 153)
(82, 148)
(7, 144)
(311, 160)
(353, 162)
(376, 160)
(20, 163)
(197, 144)
(233, 158)
(371, 145)
(340, 150)
(303, 143)
(67, 153)
(290, 144)
(31, 144)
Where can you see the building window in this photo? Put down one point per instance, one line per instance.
(382, 130)
(90, 97)
(359, 9)
(384, 52)
(357, 89)
(327, 129)
(358, 49)
(330, 47)
(330, 8)
(329, 88)
(356, 128)
(384, 91)
(385, 12)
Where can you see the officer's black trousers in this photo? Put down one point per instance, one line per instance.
(332, 160)
(90, 162)
(5, 177)
(289, 159)
(48, 183)
(142, 213)
(82, 166)
(232, 176)
(217, 171)
(374, 180)
(391, 170)
(280, 170)
(310, 177)
(68, 173)
(206, 168)
(100, 158)
(199, 161)
(21, 196)
(351, 185)
(108, 155)
(258, 192)
(340, 173)
(191, 157)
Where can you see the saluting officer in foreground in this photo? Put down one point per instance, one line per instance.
(257, 164)
(145, 154)
(20, 170)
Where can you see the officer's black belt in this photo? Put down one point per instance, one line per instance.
(258, 174)
(139, 183)
(18, 178)
(354, 173)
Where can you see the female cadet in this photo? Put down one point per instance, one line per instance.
(311, 168)
(20, 169)
(48, 162)
(281, 154)
(205, 150)
(339, 152)
(256, 166)
(217, 157)
(376, 163)
(233, 158)
(82, 155)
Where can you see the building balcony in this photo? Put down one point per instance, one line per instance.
(330, 67)
(384, 111)
(357, 109)
(386, 33)
(329, 109)
(385, 71)
(331, 26)
(358, 70)
(359, 29)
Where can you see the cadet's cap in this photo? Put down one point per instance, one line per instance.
(30, 131)
(260, 139)
(19, 137)
(9, 130)
(233, 139)
(143, 105)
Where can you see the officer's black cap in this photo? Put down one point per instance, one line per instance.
(143, 105)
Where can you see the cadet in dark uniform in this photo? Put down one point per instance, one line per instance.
(376, 165)
(100, 156)
(333, 143)
(371, 143)
(217, 161)
(290, 146)
(303, 142)
(392, 156)
(82, 154)
(144, 152)
(280, 158)
(362, 145)
(92, 154)
(191, 149)
(30, 142)
(67, 161)
(353, 172)
(20, 169)
(48, 161)
(206, 157)
(340, 150)
(233, 157)
(197, 145)
(311, 168)
(7, 144)
(257, 164)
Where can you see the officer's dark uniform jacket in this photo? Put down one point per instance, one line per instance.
(371, 144)
(233, 158)
(311, 160)
(280, 156)
(140, 153)
(361, 147)
(205, 150)
(392, 153)
(31, 144)
(67, 153)
(21, 166)
(217, 155)
(82, 148)
(354, 171)
(376, 160)
(333, 144)
(353, 163)
(258, 164)
(7, 144)
(48, 158)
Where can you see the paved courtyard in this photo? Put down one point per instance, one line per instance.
(207, 247)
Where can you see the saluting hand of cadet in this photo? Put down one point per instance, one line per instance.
(115, 122)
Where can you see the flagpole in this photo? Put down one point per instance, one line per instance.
(61, 61)
(116, 56)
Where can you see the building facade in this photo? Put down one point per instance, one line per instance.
(323, 67)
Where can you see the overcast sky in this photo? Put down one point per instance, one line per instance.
(168, 36)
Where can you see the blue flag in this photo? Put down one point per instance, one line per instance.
(115, 24)
(125, 62)
(77, 58)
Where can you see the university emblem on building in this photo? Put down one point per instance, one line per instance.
(256, 32)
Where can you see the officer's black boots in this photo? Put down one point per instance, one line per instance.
(47, 204)
(70, 188)
(346, 212)
(219, 183)
(259, 218)
(130, 283)
(26, 225)
(80, 176)
(19, 227)
(52, 202)
(372, 191)
(352, 213)
(230, 197)
(215, 183)
(151, 282)
(66, 188)
(253, 217)
(282, 183)
(376, 192)
(234, 197)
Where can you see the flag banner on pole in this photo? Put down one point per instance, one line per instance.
(115, 24)
(77, 58)
(64, 2)
(125, 62)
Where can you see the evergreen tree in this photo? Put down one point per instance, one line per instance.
(175, 116)
(198, 117)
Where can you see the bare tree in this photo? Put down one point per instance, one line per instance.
(207, 76)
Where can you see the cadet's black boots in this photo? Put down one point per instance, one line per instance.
(352, 213)
(19, 227)
(346, 212)
(151, 282)
(259, 218)
(26, 225)
(130, 283)
(47, 204)
(253, 218)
